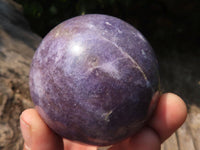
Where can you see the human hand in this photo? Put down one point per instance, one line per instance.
(169, 115)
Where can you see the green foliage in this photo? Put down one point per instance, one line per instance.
(161, 21)
(43, 15)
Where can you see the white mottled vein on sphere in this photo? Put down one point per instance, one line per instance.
(89, 76)
(126, 55)
(141, 36)
(38, 83)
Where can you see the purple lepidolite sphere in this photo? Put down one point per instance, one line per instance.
(94, 79)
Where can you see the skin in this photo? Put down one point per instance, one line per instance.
(169, 115)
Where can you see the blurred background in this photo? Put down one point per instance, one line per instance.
(171, 26)
(168, 22)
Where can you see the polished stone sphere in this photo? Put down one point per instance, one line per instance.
(94, 79)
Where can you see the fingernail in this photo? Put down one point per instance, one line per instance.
(26, 133)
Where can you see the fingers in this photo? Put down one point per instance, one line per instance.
(170, 114)
(36, 134)
(68, 145)
(146, 139)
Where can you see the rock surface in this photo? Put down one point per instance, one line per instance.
(17, 44)
(179, 73)
(88, 67)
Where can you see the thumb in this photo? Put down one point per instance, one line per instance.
(36, 134)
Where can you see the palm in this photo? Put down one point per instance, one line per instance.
(38, 136)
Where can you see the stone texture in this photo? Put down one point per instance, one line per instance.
(100, 70)
(17, 44)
